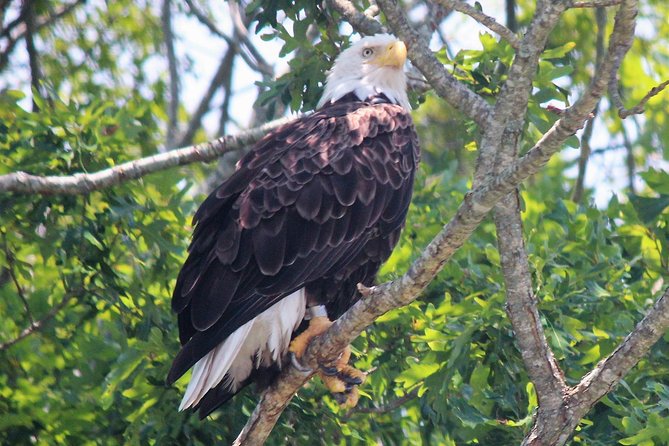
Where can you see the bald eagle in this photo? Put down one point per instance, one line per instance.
(312, 210)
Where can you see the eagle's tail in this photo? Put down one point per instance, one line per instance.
(261, 342)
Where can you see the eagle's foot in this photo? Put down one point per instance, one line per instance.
(347, 399)
(342, 380)
(317, 326)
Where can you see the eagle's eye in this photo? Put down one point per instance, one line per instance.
(367, 52)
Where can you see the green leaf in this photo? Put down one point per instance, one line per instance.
(558, 52)
(649, 208)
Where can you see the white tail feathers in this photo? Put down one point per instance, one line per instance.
(261, 341)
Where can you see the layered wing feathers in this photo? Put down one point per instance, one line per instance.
(320, 200)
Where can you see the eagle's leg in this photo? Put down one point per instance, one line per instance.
(317, 326)
(340, 378)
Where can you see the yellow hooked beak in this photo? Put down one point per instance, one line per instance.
(394, 55)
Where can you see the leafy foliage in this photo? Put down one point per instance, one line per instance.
(106, 262)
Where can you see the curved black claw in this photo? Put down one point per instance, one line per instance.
(328, 370)
(349, 380)
(298, 365)
(340, 397)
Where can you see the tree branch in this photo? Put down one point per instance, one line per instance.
(38, 325)
(28, 13)
(173, 107)
(608, 373)
(513, 98)
(554, 425)
(498, 153)
(640, 107)
(83, 183)
(629, 159)
(404, 290)
(9, 258)
(242, 35)
(485, 20)
(12, 40)
(358, 20)
(594, 3)
(584, 156)
(223, 72)
(389, 407)
(251, 57)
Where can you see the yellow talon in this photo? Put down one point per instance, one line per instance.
(317, 326)
(344, 379)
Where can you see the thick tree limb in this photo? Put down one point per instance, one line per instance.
(444, 83)
(509, 116)
(554, 425)
(515, 93)
(485, 20)
(83, 183)
(608, 373)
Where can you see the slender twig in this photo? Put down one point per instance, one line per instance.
(226, 87)
(484, 19)
(389, 407)
(584, 156)
(14, 38)
(629, 160)
(9, 258)
(223, 72)
(251, 56)
(38, 325)
(621, 49)
(83, 183)
(595, 3)
(173, 106)
(205, 20)
(242, 35)
(19, 20)
(640, 107)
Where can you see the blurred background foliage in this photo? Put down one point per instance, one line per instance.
(86, 332)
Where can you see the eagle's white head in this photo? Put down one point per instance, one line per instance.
(372, 65)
